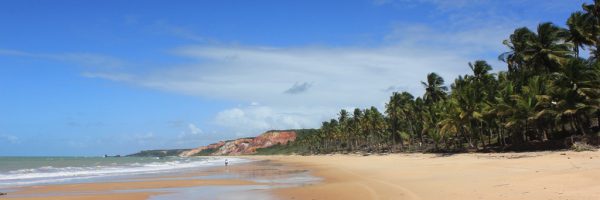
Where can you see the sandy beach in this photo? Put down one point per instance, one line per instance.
(534, 175)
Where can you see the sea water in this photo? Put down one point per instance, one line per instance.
(22, 171)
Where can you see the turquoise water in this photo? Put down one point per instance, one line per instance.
(20, 171)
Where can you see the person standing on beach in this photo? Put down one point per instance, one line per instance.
(226, 162)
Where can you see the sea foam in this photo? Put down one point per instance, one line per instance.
(51, 174)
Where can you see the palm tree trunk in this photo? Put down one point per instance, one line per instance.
(499, 139)
(581, 127)
(598, 118)
(490, 136)
(525, 132)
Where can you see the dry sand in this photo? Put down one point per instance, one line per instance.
(543, 175)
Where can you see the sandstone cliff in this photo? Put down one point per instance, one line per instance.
(202, 148)
(243, 146)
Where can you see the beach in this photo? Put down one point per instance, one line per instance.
(247, 178)
(532, 175)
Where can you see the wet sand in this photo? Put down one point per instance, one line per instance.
(138, 195)
(248, 180)
(536, 175)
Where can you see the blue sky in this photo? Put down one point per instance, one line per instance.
(115, 77)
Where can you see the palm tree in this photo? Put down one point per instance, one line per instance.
(549, 50)
(434, 88)
(356, 127)
(579, 32)
(533, 52)
(547, 91)
(420, 110)
(392, 109)
(591, 17)
(518, 45)
(480, 70)
(523, 111)
(453, 122)
(343, 120)
(503, 106)
(575, 92)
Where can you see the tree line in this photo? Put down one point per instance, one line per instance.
(548, 92)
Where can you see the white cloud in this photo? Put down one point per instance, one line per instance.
(194, 130)
(323, 79)
(326, 78)
(191, 134)
(249, 121)
(108, 76)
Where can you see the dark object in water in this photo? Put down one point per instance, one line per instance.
(2, 193)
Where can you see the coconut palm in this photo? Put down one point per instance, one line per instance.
(548, 92)
(532, 53)
(580, 32)
(434, 88)
(518, 43)
(575, 92)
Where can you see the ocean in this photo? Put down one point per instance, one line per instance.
(23, 171)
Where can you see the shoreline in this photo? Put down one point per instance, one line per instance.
(249, 179)
(528, 175)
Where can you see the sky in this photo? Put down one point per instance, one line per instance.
(88, 78)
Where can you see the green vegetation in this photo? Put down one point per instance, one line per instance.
(548, 93)
(158, 153)
(290, 147)
(206, 152)
(280, 149)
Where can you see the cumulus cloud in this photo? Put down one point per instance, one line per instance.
(248, 121)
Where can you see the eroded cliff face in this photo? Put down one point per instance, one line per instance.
(271, 138)
(202, 148)
(234, 147)
(244, 146)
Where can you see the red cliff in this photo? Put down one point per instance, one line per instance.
(244, 146)
(202, 148)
